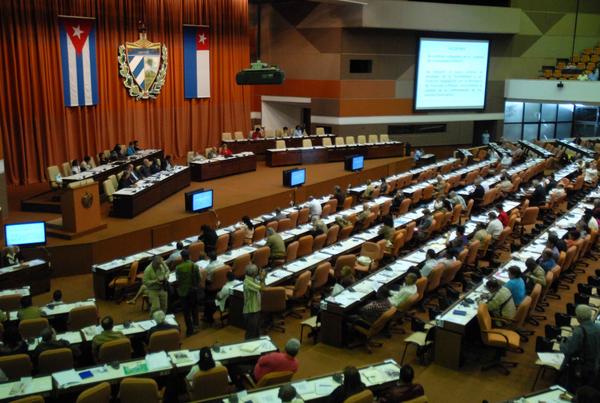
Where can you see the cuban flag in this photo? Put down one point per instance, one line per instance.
(196, 61)
(78, 55)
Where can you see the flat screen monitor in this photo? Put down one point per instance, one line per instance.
(25, 234)
(199, 200)
(451, 74)
(294, 177)
(354, 163)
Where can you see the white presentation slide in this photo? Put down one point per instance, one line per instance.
(25, 234)
(202, 200)
(451, 74)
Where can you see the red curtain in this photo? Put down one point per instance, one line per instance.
(38, 130)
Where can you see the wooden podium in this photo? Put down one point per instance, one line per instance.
(80, 208)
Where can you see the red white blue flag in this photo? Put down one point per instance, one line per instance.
(196, 61)
(78, 56)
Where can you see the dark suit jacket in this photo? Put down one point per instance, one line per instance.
(145, 171)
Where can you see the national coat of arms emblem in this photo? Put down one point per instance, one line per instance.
(143, 66)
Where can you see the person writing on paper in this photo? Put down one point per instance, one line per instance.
(205, 363)
(351, 386)
(590, 173)
(287, 394)
(49, 342)
(256, 134)
(146, 169)
(369, 313)
(399, 298)
(495, 226)
(225, 292)
(248, 228)
(315, 207)
(318, 227)
(547, 261)
(405, 389)
(156, 278)
(460, 241)
(585, 342)
(28, 310)
(107, 334)
(159, 318)
(430, 262)
(12, 342)
(276, 245)
(516, 285)
(367, 194)
(86, 164)
(534, 274)
(455, 199)
(225, 151)
(11, 256)
(500, 303)
(277, 362)
(425, 223)
(346, 280)
(298, 132)
(133, 175)
(168, 164)
(253, 284)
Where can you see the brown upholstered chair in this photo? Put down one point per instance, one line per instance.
(115, 350)
(499, 339)
(96, 394)
(237, 238)
(368, 333)
(222, 244)
(259, 233)
(239, 265)
(196, 250)
(59, 359)
(273, 305)
(31, 328)
(10, 302)
(16, 366)
(208, 384)
(306, 245)
(135, 390)
(366, 396)
(82, 316)
(319, 241)
(341, 262)
(164, 340)
(292, 251)
(261, 257)
(332, 234)
(298, 294)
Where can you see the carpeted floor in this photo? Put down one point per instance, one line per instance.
(442, 385)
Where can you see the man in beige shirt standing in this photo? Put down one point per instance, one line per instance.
(156, 278)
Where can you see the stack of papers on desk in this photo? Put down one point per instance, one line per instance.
(251, 347)
(66, 378)
(372, 376)
(158, 361)
(21, 387)
(554, 360)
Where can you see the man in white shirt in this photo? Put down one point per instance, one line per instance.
(590, 175)
(398, 298)
(455, 199)
(495, 226)
(315, 207)
(429, 263)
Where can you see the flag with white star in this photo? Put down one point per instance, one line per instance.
(196, 61)
(78, 57)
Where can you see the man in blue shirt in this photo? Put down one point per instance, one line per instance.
(547, 260)
(516, 285)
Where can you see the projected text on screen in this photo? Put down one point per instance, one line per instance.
(451, 74)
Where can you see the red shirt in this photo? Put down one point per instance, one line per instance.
(255, 135)
(226, 153)
(503, 217)
(273, 362)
